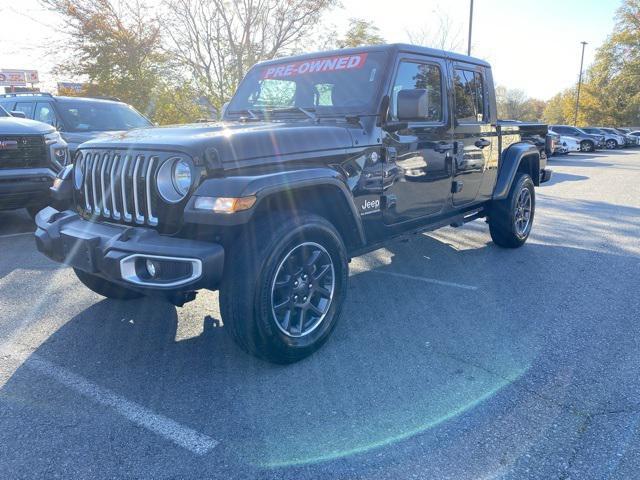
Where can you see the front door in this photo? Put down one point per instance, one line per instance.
(473, 129)
(419, 158)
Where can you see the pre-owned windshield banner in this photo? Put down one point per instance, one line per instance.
(315, 65)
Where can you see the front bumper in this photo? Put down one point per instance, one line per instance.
(118, 253)
(24, 187)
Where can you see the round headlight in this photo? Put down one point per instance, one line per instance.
(173, 179)
(77, 171)
(181, 177)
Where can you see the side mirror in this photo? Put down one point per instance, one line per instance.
(412, 104)
(18, 114)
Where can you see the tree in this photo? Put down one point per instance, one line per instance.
(513, 104)
(114, 45)
(218, 40)
(359, 33)
(442, 35)
(612, 86)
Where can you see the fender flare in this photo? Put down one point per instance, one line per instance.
(263, 186)
(509, 165)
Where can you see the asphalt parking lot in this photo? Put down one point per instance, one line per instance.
(454, 359)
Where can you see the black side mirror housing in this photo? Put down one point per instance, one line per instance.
(412, 104)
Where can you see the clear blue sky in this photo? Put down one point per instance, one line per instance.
(533, 45)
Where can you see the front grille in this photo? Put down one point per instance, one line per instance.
(22, 151)
(120, 186)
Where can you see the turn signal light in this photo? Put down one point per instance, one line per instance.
(224, 204)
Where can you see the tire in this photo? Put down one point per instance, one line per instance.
(587, 146)
(268, 271)
(611, 144)
(106, 288)
(507, 217)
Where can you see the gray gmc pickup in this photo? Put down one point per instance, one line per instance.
(318, 158)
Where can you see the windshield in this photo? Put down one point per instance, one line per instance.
(4, 113)
(347, 84)
(98, 116)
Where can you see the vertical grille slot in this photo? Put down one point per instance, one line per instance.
(123, 188)
(113, 187)
(136, 181)
(103, 190)
(153, 221)
(94, 167)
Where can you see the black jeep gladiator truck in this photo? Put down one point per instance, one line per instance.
(318, 158)
(31, 155)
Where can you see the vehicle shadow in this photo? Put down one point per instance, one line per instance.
(15, 221)
(408, 356)
(559, 177)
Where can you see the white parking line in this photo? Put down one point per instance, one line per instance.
(173, 431)
(427, 280)
(12, 235)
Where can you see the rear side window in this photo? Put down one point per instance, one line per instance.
(26, 108)
(469, 91)
(422, 76)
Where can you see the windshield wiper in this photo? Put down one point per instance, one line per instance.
(251, 113)
(308, 112)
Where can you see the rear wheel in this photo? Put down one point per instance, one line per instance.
(286, 282)
(511, 219)
(612, 144)
(106, 288)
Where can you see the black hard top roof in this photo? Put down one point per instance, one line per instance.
(393, 47)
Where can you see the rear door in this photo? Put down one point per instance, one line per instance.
(472, 129)
(422, 153)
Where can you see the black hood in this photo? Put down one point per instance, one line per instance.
(234, 141)
(23, 126)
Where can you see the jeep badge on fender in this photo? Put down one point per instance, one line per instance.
(270, 205)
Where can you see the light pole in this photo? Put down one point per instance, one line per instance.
(470, 27)
(575, 118)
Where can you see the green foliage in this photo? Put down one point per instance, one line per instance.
(360, 33)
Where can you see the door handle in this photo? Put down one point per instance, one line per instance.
(442, 147)
(482, 143)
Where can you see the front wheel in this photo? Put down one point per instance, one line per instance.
(587, 146)
(285, 286)
(511, 219)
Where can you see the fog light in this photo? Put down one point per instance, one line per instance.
(153, 268)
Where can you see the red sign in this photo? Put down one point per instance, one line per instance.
(315, 65)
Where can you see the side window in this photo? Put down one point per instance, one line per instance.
(469, 91)
(8, 105)
(45, 113)
(420, 76)
(25, 107)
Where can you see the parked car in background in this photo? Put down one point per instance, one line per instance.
(556, 145)
(588, 142)
(635, 133)
(615, 140)
(570, 144)
(630, 140)
(31, 155)
(78, 119)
